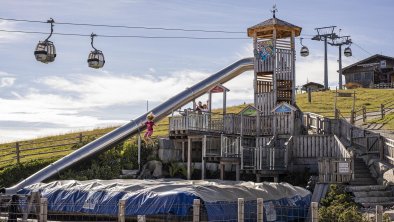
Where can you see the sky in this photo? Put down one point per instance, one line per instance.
(39, 99)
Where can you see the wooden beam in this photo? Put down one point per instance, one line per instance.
(204, 151)
(189, 158)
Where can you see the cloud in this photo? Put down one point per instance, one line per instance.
(6, 81)
(7, 37)
(112, 89)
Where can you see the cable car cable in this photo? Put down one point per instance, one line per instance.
(127, 36)
(128, 27)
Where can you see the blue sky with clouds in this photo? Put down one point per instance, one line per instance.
(40, 99)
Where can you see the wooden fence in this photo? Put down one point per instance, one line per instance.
(317, 123)
(23, 151)
(228, 124)
(383, 85)
(388, 150)
(362, 114)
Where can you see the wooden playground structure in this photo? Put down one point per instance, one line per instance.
(271, 137)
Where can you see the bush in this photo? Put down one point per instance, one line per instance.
(12, 175)
(339, 206)
(107, 165)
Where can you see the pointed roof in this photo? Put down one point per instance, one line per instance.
(283, 107)
(283, 28)
(249, 110)
(218, 88)
(376, 56)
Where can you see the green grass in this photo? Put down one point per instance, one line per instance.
(59, 145)
(323, 102)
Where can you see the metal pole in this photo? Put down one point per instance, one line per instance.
(139, 152)
(325, 64)
(340, 67)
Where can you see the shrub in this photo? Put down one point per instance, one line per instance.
(10, 176)
(339, 206)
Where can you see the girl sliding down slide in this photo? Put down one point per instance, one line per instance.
(149, 128)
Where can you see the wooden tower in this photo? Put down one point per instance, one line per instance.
(274, 67)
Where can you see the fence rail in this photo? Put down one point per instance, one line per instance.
(228, 124)
(43, 210)
(383, 85)
(23, 151)
(375, 112)
(388, 150)
(317, 123)
(259, 210)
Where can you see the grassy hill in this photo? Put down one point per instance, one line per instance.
(322, 103)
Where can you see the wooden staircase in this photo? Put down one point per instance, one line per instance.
(371, 195)
(362, 175)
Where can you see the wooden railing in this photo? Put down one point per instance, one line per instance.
(22, 151)
(228, 124)
(230, 146)
(388, 150)
(339, 168)
(383, 85)
(317, 123)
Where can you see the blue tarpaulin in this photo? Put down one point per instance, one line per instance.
(282, 201)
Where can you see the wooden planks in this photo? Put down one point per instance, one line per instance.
(318, 146)
(265, 102)
(330, 172)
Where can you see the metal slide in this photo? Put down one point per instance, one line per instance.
(133, 127)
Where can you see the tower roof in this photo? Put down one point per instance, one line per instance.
(283, 29)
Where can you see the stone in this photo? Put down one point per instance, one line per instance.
(152, 169)
(388, 177)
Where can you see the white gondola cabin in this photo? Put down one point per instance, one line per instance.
(304, 51)
(96, 59)
(45, 52)
(348, 52)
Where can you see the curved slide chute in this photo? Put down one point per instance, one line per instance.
(133, 127)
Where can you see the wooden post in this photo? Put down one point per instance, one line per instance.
(183, 151)
(17, 152)
(260, 210)
(335, 103)
(315, 211)
(210, 101)
(309, 95)
(80, 137)
(318, 125)
(237, 171)
(224, 101)
(196, 210)
(221, 166)
(364, 114)
(189, 158)
(141, 218)
(382, 111)
(241, 210)
(204, 153)
(381, 147)
(139, 152)
(379, 213)
(352, 115)
(293, 60)
(43, 217)
(121, 210)
(258, 123)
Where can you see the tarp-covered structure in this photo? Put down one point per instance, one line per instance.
(282, 201)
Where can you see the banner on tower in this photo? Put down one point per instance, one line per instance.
(264, 49)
